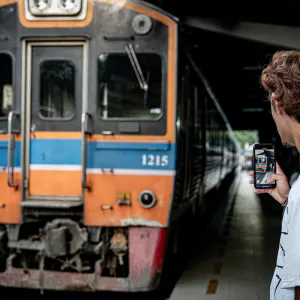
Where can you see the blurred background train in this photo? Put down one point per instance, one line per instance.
(110, 135)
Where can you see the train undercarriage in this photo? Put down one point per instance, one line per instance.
(63, 254)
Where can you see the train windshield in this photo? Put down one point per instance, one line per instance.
(120, 95)
(261, 159)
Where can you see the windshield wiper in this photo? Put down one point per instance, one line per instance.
(136, 67)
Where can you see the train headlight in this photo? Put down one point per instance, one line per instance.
(68, 5)
(142, 24)
(41, 5)
(55, 9)
(147, 199)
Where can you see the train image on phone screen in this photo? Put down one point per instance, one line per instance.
(264, 165)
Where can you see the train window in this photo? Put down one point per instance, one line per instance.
(120, 90)
(6, 90)
(57, 90)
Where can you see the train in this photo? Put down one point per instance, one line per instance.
(261, 163)
(109, 135)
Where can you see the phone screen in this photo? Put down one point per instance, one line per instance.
(264, 165)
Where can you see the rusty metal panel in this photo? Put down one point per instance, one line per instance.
(147, 250)
(146, 254)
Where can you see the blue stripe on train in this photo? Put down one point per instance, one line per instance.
(261, 165)
(99, 154)
(3, 154)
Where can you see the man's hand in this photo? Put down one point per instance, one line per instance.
(281, 191)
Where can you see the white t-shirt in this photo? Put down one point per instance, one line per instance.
(287, 272)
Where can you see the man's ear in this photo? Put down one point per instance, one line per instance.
(277, 104)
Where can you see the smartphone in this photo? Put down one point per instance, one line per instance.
(264, 163)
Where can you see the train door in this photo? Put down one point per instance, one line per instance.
(54, 102)
(9, 143)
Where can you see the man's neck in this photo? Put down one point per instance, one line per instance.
(296, 134)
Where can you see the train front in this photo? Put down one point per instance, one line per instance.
(87, 143)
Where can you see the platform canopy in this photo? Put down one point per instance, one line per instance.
(232, 43)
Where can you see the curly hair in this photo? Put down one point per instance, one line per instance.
(282, 76)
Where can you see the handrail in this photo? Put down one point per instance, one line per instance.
(10, 150)
(84, 131)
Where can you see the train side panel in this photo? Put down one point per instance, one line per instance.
(207, 150)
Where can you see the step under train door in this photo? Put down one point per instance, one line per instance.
(55, 101)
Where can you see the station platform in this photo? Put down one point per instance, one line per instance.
(238, 255)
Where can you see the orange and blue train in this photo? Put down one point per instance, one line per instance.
(109, 135)
(261, 163)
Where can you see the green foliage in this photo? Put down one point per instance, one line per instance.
(246, 137)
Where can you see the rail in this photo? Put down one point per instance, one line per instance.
(84, 131)
(10, 150)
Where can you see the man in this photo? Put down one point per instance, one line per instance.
(281, 78)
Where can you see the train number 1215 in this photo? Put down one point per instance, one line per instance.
(155, 160)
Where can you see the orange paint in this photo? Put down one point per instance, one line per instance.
(55, 183)
(56, 24)
(130, 139)
(104, 192)
(10, 197)
(7, 2)
(97, 137)
(56, 135)
(4, 137)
